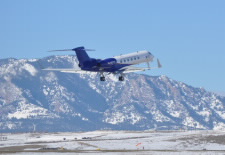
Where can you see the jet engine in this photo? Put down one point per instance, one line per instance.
(106, 62)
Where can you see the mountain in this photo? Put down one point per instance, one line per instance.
(36, 100)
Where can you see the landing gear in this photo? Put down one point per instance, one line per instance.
(121, 78)
(102, 78)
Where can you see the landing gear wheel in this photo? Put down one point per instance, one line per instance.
(121, 78)
(102, 78)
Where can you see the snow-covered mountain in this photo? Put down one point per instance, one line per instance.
(32, 99)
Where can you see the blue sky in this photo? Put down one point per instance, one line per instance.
(187, 36)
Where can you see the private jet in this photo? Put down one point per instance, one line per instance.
(119, 65)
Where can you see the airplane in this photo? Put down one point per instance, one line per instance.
(117, 65)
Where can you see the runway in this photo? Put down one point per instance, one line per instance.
(115, 142)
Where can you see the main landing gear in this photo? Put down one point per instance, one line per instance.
(102, 78)
(121, 78)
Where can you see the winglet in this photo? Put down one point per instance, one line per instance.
(159, 64)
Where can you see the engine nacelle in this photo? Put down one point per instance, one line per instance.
(106, 62)
(88, 64)
(97, 62)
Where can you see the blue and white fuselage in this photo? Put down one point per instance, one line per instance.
(117, 65)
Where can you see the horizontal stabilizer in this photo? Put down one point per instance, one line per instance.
(61, 50)
(71, 50)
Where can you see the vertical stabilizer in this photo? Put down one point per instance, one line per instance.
(81, 54)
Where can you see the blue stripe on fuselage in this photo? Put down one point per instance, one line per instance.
(109, 68)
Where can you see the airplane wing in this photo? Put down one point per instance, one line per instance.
(129, 69)
(67, 70)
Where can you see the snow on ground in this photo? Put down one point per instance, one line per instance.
(123, 142)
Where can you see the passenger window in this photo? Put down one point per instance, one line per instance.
(131, 59)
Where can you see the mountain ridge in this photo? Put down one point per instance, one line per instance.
(52, 101)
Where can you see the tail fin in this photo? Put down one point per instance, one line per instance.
(81, 54)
